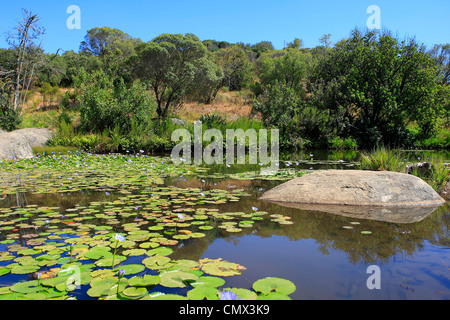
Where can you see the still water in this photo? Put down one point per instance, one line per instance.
(323, 259)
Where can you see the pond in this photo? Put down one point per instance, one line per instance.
(195, 231)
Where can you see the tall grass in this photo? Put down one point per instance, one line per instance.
(383, 159)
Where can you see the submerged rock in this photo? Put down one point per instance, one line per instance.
(359, 193)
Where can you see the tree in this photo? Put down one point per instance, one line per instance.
(441, 53)
(171, 65)
(22, 40)
(286, 67)
(237, 69)
(113, 47)
(374, 85)
(296, 44)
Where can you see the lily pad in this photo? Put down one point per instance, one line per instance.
(202, 293)
(272, 284)
(134, 292)
(176, 279)
(145, 281)
(208, 281)
(221, 268)
(156, 262)
(161, 251)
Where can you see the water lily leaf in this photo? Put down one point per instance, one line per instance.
(4, 271)
(274, 296)
(134, 252)
(24, 269)
(35, 296)
(184, 265)
(106, 286)
(26, 287)
(98, 253)
(130, 268)
(202, 293)
(161, 251)
(176, 279)
(243, 294)
(162, 296)
(208, 281)
(145, 281)
(221, 268)
(269, 284)
(156, 262)
(134, 293)
(107, 262)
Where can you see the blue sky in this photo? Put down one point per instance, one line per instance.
(247, 21)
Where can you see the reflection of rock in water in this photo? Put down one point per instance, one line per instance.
(407, 214)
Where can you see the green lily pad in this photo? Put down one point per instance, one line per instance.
(176, 279)
(208, 281)
(274, 296)
(243, 294)
(98, 253)
(107, 262)
(221, 268)
(145, 281)
(272, 284)
(161, 251)
(134, 252)
(202, 293)
(24, 269)
(162, 296)
(4, 271)
(130, 268)
(134, 293)
(156, 262)
(26, 287)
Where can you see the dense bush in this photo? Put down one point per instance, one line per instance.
(9, 119)
(106, 102)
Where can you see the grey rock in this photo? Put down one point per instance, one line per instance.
(347, 191)
(37, 137)
(14, 145)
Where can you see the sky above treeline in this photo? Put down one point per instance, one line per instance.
(247, 21)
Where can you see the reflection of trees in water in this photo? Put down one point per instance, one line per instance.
(386, 241)
(19, 199)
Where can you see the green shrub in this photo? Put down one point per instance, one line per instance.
(9, 119)
(106, 102)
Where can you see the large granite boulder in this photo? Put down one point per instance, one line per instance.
(14, 145)
(19, 143)
(379, 195)
(37, 137)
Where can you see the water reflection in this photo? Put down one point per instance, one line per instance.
(407, 214)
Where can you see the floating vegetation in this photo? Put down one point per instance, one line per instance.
(119, 246)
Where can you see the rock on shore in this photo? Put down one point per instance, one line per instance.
(19, 143)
